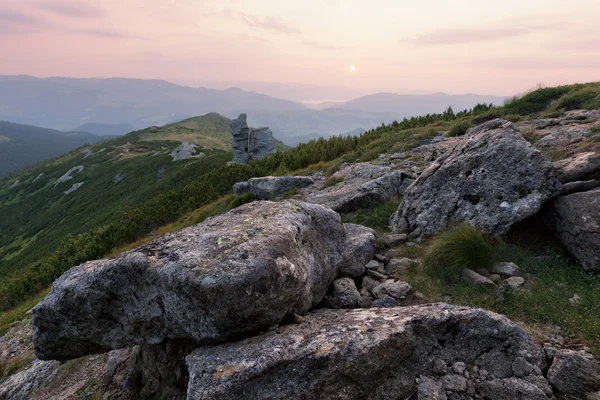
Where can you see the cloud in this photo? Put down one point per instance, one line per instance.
(322, 46)
(271, 23)
(15, 17)
(73, 9)
(539, 63)
(471, 35)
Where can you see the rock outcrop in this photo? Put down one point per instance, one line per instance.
(570, 129)
(437, 350)
(361, 185)
(575, 219)
(491, 179)
(580, 167)
(186, 150)
(231, 276)
(250, 143)
(271, 187)
(575, 375)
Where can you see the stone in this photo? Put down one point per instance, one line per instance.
(186, 151)
(574, 374)
(370, 283)
(359, 250)
(575, 219)
(506, 269)
(459, 367)
(510, 389)
(19, 386)
(515, 282)
(344, 294)
(393, 239)
(377, 354)
(483, 272)
(250, 143)
(362, 185)
(440, 366)
(385, 301)
(398, 266)
(271, 187)
(376, 275)
(473, 278)
(495, 278)
(468, 185)
(68, 175)
(397, 290)
(580, 167)
(430, 389)
(230, 276)
(521, 368)
(372, 265)
(454, 383)
(579, 186)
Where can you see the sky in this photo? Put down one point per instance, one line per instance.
(459, 46)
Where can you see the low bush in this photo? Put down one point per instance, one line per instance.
(459, 129)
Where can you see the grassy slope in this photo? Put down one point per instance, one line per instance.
(556, 278)
(120, 174)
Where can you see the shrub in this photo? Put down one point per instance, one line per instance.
(459, 129)
(457, 248)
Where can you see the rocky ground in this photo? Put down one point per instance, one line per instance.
(281, 300)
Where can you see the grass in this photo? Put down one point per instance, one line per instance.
(595, 129)
(457, 248)
(377, 217)
(18, 313)
(332, 181)
(459, 129)
(15, 365)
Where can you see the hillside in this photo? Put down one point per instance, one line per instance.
(105, 129)
(24, 145)
(42, 206)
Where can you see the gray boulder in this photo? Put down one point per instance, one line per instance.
(396, 290)
(575, 374)
(232, 275)
(360, 246)
(492, 179)
(362, 185)
(579, 186)
(250, 143)
(378, 354)
(580, 167)
(271, 187)
(506, 269)
(185, 151)
(575, 219)
(473, 278)
(344, 294)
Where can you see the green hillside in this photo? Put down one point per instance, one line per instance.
(116, 175)
(24, 145)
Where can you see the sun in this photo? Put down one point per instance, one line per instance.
(352, 68)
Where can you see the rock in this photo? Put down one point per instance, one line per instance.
(67, 176)
(473, 278)
(483, 272)
(393, 239)
(377, 275)
(360, 246)
(511, 389)
(344, 294)
(230, 276)
(430, 389)
(74, 187)
(495, 278)
(440, 366)
(575, 219)
(398, 266)
(506, 269)
(515, 282)
(250, 143)
(454, 383)
(271, 187)
(385, 301)
(397, 290)
(580, 167)
(574, 374)
(185, 151)
(380, 258)
(19, 386)
(372, 265)
(579, 186)
(459, 367)
(362, 185)
(378, 354)
(469, 185)
(370, 283)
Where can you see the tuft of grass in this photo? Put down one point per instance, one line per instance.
(19, 312)
(332, 181)
(530, 136)
(15, 365)
(460, 247)
(459, 129)
(377, 217)
(595, 129)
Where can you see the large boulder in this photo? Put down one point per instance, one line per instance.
(250, 143)
(575, 219)
(491, 179)
(231, 276)
(375, 354)
(575, 375)
(580, 167)
(271, 187)
(360, 247)
(361, 185)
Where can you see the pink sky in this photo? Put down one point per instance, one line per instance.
(454, 46)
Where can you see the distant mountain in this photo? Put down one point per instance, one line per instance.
(24, 145)
(408, 105)
(105, 129)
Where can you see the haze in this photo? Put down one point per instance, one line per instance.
(396, 46)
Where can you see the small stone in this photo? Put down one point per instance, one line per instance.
(459, 367)
(393, 239)
(575, 300)
(398, 290)
(440, 366)
(506, 269)
(495, 278)
(473, 278)
(369, 284)
(521, 367)
(343, 294)
(483, 272)
(430, 389)
(377, 275)
(455, 383)
(379, 257)
(515, 282)
(372, 265)
(385, 301)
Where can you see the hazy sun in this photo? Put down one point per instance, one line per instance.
(352, 68)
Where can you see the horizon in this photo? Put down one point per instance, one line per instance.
(344, 50)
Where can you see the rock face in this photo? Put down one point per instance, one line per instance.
(231, 276)
(271, 187)
(575, 219)
(491, 179)
(361, 185)
(250, 143)
(580, 167)
(378, 354)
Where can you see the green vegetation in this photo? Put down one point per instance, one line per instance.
(457, 248)
(377, 217)
(332, 181)
(459, 129)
